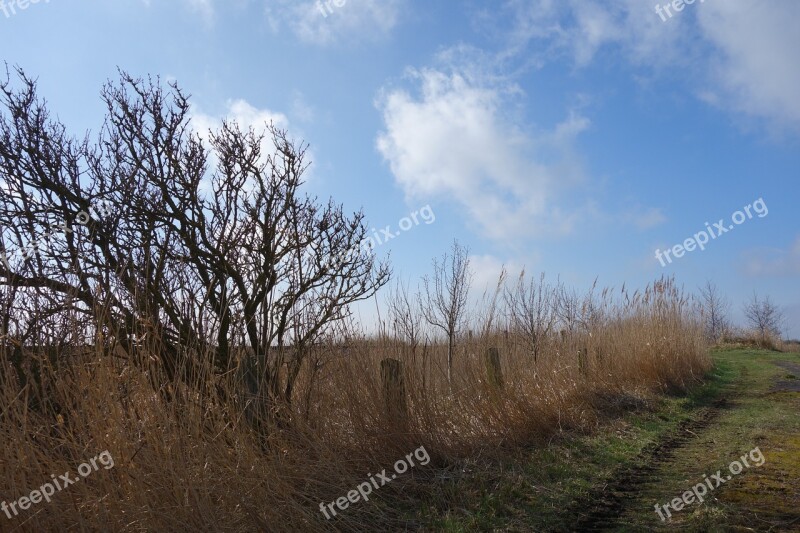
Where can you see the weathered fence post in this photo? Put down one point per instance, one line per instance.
(394, 391)
(583, 360)
(493, 371)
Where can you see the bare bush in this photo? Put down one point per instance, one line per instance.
(532, 310)
(568, 309)
(764, 317)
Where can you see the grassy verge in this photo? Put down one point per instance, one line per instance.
(757, 415)
(538, 489)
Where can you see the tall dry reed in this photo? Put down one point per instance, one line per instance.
(187, 458)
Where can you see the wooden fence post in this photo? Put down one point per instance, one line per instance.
(583, 360)
(394, 391)
(494, 372)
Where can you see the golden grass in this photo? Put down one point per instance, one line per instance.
(194, 462)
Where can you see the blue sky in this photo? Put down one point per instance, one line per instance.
(574, 137)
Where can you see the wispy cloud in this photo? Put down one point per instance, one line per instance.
(486, 271)
(205, 8)
(323, 22)
(756, 66)
(738, 54)
(772, 262)
(645, 218)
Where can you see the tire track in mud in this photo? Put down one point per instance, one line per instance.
(602, 509)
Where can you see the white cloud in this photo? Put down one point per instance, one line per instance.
(246, 116)
(486, 271)
(323, 22)
(736, 54)
(455, 141)
(757, 64)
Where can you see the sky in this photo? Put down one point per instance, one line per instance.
(572, 137)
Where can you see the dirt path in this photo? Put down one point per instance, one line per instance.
(620, 477)
(760, 409)
(790, 381)
(610, 503)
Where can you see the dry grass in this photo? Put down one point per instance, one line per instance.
(194, 463)
(752, 339)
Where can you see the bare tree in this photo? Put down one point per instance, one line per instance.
(714, 310)
(444, 298)
(404, 315)
(532, 309)
(203, 259)
(568, 309)
(764, 317)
